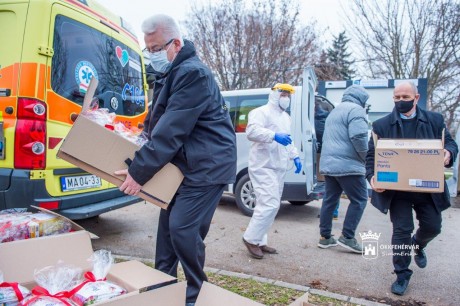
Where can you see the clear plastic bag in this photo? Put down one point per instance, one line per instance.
(19, 226)
(101, 116)
(95, 288)
(11, 293)
(55, 284)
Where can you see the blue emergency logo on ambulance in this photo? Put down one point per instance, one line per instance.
(84, 71)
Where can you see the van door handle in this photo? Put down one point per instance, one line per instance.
(5, 92)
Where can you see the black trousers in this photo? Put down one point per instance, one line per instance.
(181, 231)
(429, 219)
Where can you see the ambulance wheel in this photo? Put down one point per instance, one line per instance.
(244, 196)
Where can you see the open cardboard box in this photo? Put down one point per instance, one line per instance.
(101, 152)
(19, 259)
(409, 164)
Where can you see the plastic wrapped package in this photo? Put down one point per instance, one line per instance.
(19, 226)
(43, 224)
(11, 293)
(96, 288)
(14, 226)
(132, 134)
(101, 116)
(55, 284)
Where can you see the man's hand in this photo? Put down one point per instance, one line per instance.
(446, 157)
(379, 190)
(129, 186)
(298, 165)
(283, 139)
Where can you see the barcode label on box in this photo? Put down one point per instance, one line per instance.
(424, 184)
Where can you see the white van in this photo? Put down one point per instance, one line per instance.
(299, 188)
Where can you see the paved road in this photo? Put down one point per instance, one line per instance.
(131, 231)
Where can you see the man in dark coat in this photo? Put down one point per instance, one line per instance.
(407, 120)
(190, 127)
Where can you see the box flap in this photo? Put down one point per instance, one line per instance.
(89, 94)
(375, 138)
(139, 276)
(212, 295)
(20, 258)
(75, 226)
(172, 295)
(301, 301)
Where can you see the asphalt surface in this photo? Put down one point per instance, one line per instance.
(131, 231)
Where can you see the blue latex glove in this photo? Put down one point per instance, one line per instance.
(283, 139)
(298, 165)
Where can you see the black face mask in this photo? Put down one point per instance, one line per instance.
(404, 106)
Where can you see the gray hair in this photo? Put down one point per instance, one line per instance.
(165, 24)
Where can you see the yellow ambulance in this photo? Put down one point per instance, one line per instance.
(49, 51)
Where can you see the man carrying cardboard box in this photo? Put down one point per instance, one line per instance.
(190, 127)
(409, 121)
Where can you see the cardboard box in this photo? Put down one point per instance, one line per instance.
(101, 152)
(301, 301)
(19, 259)
(212, 295)
(409, 164)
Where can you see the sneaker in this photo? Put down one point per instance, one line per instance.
(399, 287)
(350, 244)
(419, 256)
(327, 243)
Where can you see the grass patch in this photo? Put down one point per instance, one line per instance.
(263, 293)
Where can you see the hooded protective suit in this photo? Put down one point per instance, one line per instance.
(268, 162)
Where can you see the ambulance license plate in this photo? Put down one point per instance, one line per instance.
(71, 183)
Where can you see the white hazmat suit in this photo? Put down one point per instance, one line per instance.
(268, 162)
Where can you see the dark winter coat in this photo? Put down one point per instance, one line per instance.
(189, 126)
(429, 126)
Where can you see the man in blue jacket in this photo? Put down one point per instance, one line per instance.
(407, 120)
(190, 127)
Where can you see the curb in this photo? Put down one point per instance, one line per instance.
(324, 293)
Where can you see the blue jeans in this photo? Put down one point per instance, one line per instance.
(355, 188)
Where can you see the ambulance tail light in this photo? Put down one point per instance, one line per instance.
(30, 135)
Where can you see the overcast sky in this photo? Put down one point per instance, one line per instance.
(327, 12)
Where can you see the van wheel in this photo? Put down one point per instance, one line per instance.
(298, 202)
(244, 196)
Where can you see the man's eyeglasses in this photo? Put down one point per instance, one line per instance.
(151, 51)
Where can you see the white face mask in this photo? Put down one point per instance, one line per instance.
(159, 61)
(284, 102)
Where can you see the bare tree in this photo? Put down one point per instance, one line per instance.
(412, 39)
(252, 45)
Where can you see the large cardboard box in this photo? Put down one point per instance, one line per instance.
(100, 151)
(409, 164)
(19, 259)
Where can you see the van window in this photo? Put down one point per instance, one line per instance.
(245, 105)
(231, 103)
(81, 52)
